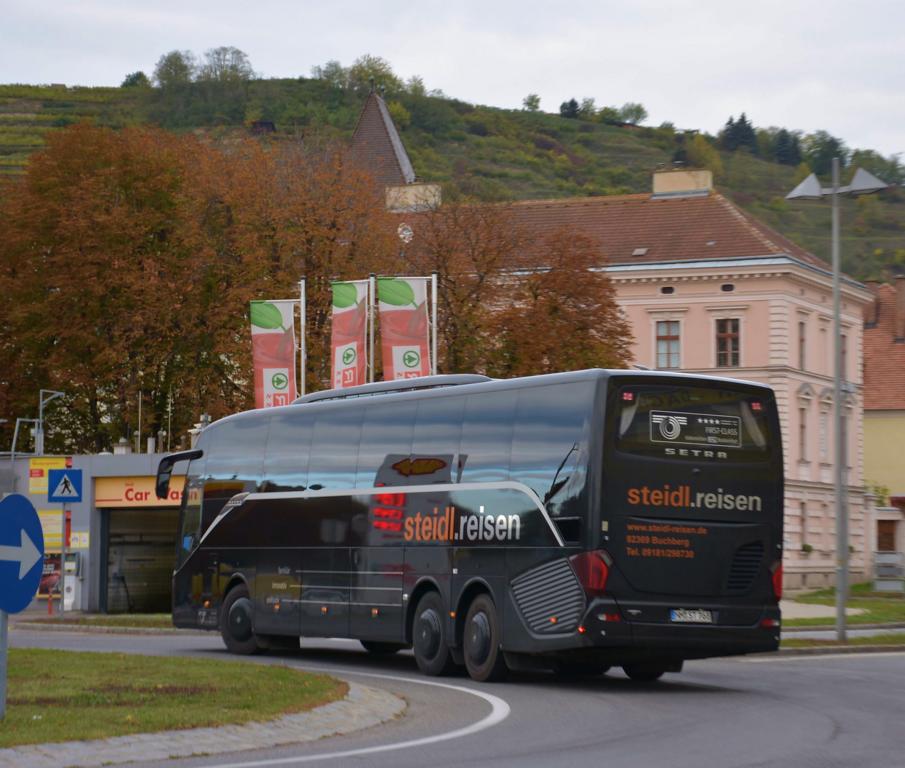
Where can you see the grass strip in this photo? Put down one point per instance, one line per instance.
(893, 638)
(65, 696)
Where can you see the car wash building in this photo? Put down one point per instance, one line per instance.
(120, 538)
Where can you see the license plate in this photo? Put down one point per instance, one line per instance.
(691, 616)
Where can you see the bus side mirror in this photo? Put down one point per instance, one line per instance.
(165, 469)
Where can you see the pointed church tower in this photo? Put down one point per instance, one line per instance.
(378, 149)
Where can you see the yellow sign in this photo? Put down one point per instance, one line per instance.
(135, 491)
(38, 470)
(52, 524)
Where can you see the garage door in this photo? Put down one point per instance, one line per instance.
(140, 554)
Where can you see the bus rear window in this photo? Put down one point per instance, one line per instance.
(693, 422)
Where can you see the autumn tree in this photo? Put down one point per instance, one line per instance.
(133, 256)
(561, 317)
(469, 246)
(225, 64)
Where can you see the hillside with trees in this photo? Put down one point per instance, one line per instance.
(481, 152)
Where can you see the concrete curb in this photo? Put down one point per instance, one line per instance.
(363, 707)
(787, 630)
(831, 650)
(40, 626)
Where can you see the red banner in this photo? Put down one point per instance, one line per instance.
(404, 334)
(347, 340)
(273, 352)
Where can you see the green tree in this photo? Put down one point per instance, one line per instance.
(587, 110)
(174, 69)
(700, 153)
(632, 113)
(332, 73)
(569, 109)
(786, 148)
(531, 103)
(225, 65)
(369, 72)
(136, 80)
(819, 150)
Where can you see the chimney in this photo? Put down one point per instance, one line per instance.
(682, 182)
(900, 308)
(871, 311)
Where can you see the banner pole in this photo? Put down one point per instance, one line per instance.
(372, 291)
(303, 352)
(434, 322)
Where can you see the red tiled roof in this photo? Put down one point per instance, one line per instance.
(706, 226)
(376, 145)
(884, 357)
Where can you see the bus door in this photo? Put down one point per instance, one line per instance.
(376, 588)
(325, 568)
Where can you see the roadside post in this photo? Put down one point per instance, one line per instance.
(21, 561)
(64, 486)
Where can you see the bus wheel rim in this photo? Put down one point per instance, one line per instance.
(479, 638)
(240, 620)
(429, 634)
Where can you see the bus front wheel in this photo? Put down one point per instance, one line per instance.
(481, 641)
(429, 636)
(236, 622)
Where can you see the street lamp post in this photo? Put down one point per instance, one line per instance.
(862, 183)
(44, 397)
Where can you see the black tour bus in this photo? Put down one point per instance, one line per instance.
(573, 521)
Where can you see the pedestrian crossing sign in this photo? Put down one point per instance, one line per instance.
(64, 485)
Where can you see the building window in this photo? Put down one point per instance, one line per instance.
(804, 524)
(802, 342)
(667, 344)
(803, 433)
(824, 436)
(727, 343)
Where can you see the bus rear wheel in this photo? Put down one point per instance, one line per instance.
(236, 626)
(429, 636)
(481, 641)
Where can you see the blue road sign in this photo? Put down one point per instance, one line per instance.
(64, 485)
(21, 553)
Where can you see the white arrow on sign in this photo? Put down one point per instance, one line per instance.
(27, 554)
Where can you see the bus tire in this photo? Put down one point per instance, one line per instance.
(236, 626)
(429, 639)
(380, 648)
(481, 641)
(644, 672)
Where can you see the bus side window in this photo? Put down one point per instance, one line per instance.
(334, 447)
(438, 430)
(484, 451)
(550, 447)
(288, 447)
(235, 462)
(386, 445)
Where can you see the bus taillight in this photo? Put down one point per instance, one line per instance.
(777, 579)
(592, 569)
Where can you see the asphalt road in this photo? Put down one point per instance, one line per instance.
(815, 711)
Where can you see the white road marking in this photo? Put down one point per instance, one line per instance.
(499, 711)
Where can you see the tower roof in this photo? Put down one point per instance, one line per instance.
(377, 147)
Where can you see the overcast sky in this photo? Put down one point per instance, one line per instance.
(835, 65)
